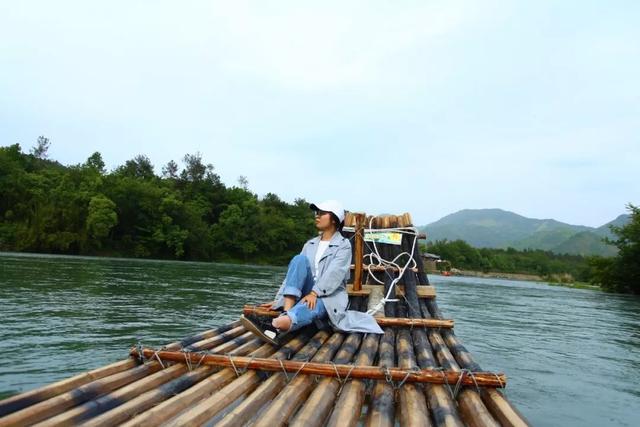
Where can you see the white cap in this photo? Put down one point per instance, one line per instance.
(332, 206)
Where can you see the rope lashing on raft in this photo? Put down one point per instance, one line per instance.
(284, 371)
(234, 366)
(397, 386)
(401, 383)
(342, 381)
(469, 373)
(237, 371)
(375, 259)
(141, 357)
(454, 392)
(446, 383)
(200, 361)
(187, 360)
(503, 386)
(139, 349)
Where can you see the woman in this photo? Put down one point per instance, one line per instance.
(314, 288)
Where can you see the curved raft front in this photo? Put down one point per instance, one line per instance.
(417, 374)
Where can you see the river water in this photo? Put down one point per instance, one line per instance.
(572, 356)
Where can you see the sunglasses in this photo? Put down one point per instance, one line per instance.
(320, 213)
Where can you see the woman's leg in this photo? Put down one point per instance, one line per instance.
(298, 281)
(300, 315)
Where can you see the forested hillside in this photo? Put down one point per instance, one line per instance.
(184, 213)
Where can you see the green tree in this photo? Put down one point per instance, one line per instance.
(95, 162)
(169, 231)
(195, 170)
(234, 235)
(41, 148)
(622, 272)
(189, 214)
(170, 170)
(138, 167)
(510, 260)
(101, 218)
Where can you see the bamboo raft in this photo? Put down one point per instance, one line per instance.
(417, 374)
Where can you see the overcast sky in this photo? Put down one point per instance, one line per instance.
(426, 107)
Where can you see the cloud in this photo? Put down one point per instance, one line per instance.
(426, 107)
(327, 46)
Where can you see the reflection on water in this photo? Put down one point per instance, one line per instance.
(571, 355)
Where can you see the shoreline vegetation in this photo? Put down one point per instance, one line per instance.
(188, 214)
(510, 263)
(522, 277)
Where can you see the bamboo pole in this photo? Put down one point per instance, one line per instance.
(32, 397)
(412, 404)
(502, 409)
(61, 402)
(474, 413)
(219, 400)
(216, 340)
(382, 321)
(122, 395)
(185, 342)
(266, 391)
(381, 408)
(349, 234)
(23, 400)
(423, 279)
(88, 391)
(143, 401)
(483, 379)
(211, 388)
(318, 405)
(358, 252)
(443, 408)
(233, 343)
(348, 407)
(497, 404)
(411, 296)
(109, 401)
(495, 401)
(280, 410)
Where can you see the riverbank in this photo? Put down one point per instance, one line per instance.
(577, 285)
(556, 279)
(499, 275)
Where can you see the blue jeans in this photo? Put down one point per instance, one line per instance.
(298, 283)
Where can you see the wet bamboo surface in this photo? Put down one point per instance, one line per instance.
(151, 392)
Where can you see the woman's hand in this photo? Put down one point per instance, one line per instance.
(310, 299)
(267, 305)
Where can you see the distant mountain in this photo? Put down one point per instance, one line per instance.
(497, 228)
(604, 230)
(585, 243)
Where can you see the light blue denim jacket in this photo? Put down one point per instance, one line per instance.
(330, 285)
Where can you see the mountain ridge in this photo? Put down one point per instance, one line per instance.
(498, 228)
